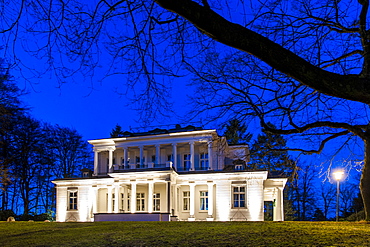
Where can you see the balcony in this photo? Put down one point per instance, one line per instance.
(128, 167)
(152, 165)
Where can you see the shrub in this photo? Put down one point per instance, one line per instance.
(43, 217)
(357, 216)
(5, 214)
(24, 217)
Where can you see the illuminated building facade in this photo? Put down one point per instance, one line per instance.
(186, 174)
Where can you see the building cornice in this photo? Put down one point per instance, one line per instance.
(113, 141)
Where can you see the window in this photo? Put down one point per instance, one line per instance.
(186, 201)
(203, 200)
(204, 161)
(238, 167)
(140, 201)
(156, 202)
(238, 196)
(125, 163)
(187, 162)
(122, 201)
(106, 203)
(72, 196)
(113, 201)
(128, 201)
(138, 163)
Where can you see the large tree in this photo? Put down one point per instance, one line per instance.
(303, 65)
(10, 109)
(236, 132)
(269, 153)
(69, 153)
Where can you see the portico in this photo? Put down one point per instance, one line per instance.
(182, 156)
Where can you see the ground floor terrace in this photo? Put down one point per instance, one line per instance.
(161, 195)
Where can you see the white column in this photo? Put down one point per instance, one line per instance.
(109, 209)
(175, 199)
(210, 202)
(168, 197)
(141, 156)
(210, 154)
(133, 197)
(150, 196)
(158, 154)
(279, 206)
(192, 168)
(174, 154)
(96, 162)
(125, 157)
(110, 159)
(116, 198)
(95, 199)
(192, 202)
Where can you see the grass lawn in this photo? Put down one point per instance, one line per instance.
(185, 234)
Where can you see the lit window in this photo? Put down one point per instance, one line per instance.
(186, 201)
(203, 161)
(187, 161)
(72, 196)
(140, 201)
(203, 200)
(156, 202)
(238, 196)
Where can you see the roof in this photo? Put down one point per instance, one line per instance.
(158, 131)
(270, 175)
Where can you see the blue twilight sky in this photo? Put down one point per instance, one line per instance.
(93, 110)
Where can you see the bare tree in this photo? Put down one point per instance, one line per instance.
(303, 65)
(27, 142)
(10, 109)
(327, 194)
(304, 192)
(69, 152)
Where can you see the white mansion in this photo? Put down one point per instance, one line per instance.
(186, 174)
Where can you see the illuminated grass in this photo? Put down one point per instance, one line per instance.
(185, 234)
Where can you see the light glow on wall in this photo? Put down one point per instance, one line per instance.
(61, 204)
(83, 210)
(255, 200)
(223, 206)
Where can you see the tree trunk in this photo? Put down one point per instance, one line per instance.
(365, 178)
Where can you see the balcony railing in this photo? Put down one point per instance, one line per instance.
(151, 165)
(139, 166)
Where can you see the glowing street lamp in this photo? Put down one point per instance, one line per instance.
(338, 175)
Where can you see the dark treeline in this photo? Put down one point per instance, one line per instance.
(32, 154)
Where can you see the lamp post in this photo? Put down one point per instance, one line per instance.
(338, 175)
